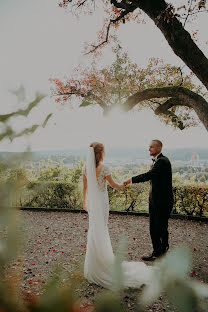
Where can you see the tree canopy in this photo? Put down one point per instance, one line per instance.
(172, 21)
(114, 85)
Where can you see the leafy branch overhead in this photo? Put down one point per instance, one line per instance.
(9, 132)
(161, 87)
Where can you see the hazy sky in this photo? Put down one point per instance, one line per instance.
(39, 40)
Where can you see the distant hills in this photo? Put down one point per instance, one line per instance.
(183, 154)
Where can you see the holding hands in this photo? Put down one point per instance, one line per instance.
(125, 183)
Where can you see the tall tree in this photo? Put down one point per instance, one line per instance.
(171, 21)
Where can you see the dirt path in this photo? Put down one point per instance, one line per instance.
(61, 237)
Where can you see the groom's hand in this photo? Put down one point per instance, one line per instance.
(125, 183)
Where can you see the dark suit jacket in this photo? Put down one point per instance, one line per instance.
(160, 177)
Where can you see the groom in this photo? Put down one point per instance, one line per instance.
(160, 198)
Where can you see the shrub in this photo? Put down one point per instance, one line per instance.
(191, 200)
(59, 186)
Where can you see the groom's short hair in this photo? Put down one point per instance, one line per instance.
(159, 143)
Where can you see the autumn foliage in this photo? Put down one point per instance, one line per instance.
(112, 85)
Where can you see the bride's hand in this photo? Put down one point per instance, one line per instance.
(122, 186)
(125, 183)
(85, 206)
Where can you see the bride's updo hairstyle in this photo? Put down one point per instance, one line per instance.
(98, 150)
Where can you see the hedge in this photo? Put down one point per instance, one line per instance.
(189, 200)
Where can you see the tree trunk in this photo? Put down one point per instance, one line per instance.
(178, 38)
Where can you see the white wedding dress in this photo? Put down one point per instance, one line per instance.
(99, 259)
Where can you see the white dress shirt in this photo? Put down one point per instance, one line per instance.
(155, 158)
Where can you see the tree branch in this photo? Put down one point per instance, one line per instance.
(164, 109)
(121, 5)
(181, 76)
(178, 96)
(193, 13)
(173, 91)
(89, 95)
(190, 3)
(95, 47)
(128, 9)
(81, 3)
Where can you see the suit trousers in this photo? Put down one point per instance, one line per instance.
(159, 216)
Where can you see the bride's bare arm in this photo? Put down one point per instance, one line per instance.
(84, 192)
(113, 184)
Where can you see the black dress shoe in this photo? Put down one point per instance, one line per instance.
(164, 251)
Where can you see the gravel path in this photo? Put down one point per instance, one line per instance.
(52, 237)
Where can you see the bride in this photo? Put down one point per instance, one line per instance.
(99, 257)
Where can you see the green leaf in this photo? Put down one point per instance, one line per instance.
(177, 263)
(182, 296)
(108, 301)
(117, 270)
(85, 103)
(46, 120)
(23, 112)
